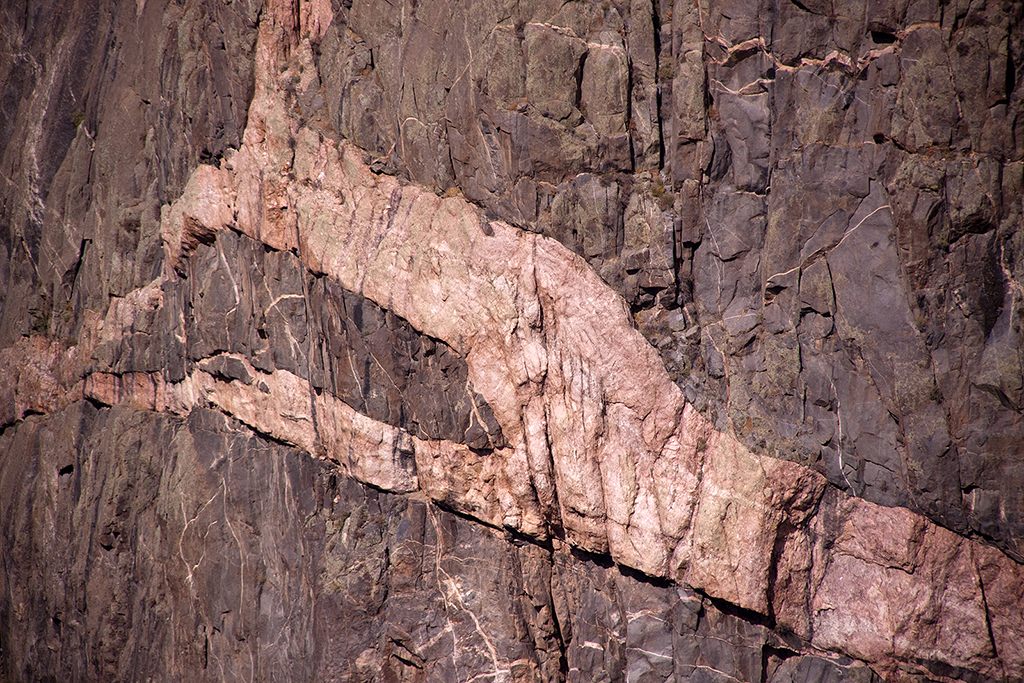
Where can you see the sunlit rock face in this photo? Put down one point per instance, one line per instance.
(586, 341)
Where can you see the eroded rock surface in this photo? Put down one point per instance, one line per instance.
(610, 329)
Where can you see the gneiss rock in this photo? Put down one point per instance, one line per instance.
(636, 471)
(437, 258)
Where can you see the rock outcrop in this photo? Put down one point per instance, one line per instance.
(595, 341)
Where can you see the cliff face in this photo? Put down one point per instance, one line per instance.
(525, 341)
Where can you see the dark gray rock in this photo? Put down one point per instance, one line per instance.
(381, 366)
(819, 670)
(109, 144)
(261, 304)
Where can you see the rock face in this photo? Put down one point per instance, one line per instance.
(531, 341)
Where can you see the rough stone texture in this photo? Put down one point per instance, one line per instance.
(219, 555)
(255, 303)
(613, 325)
(869, 153)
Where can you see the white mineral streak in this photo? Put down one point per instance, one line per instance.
(599, 436)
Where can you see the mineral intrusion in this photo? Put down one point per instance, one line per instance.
(584, 341)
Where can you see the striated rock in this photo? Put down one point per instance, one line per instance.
(715, 514)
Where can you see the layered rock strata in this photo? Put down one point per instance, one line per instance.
(307, 293)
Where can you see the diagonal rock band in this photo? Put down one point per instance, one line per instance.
(613, 329)
(598, 444)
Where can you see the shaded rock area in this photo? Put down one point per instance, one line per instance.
(109, 107)
(263, 305)
(631, 341)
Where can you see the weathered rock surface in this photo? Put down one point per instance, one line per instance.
(435, 254)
